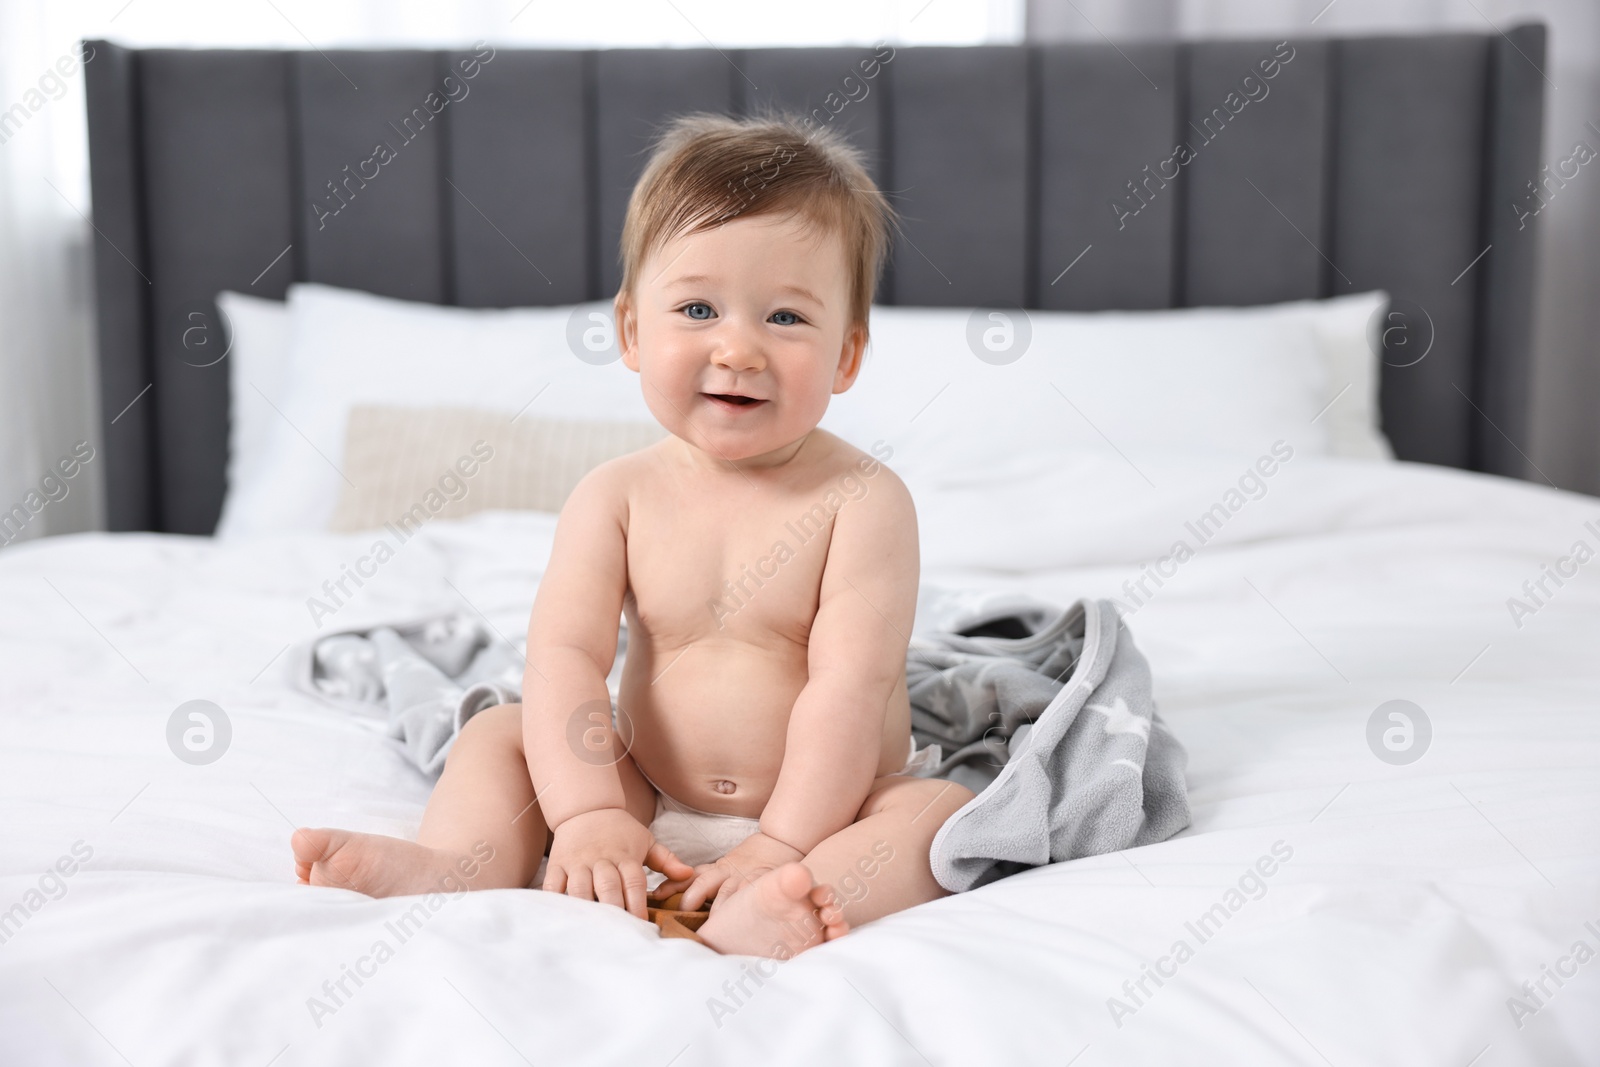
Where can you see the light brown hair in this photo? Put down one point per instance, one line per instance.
(709, 169)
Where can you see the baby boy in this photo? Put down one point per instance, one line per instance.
(761, 754)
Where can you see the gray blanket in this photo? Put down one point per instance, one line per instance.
(1045, 714)
(420, 681)
(1050, 720)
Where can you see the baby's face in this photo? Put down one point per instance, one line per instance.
(740, 334)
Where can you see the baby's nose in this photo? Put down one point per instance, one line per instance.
(737, 352)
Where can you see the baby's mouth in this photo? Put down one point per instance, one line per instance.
(734, 399)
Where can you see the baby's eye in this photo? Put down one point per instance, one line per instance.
(785, 318)
(697, 311)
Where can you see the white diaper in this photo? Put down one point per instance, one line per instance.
(697, 837)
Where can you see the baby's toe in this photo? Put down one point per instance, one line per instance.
(830, 911)
(794, 880)
(309, 846)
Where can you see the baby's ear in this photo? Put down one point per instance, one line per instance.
(850, 357)
(627, 331)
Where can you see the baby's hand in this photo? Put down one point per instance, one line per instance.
(746, 862)
(601, 855)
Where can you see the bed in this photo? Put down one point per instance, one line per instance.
(1340, 898)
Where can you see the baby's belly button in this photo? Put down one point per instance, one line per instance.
(743, 795)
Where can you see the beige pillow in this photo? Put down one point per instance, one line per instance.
(408, 465)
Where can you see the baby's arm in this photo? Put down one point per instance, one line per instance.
(599, 848)
(856, 657)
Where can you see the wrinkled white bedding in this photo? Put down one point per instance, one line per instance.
(1405, 905)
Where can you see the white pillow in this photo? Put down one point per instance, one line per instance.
(1205, 381)
(258, 352)
(348, 348)
(1345, 327)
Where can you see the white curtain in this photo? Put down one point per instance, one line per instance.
(48, 387)
(47, 382)
(1564, 445)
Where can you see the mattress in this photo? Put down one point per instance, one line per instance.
(1338, 899)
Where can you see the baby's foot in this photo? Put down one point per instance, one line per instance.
(778, 915)
(368, 863)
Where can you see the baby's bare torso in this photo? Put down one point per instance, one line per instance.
(713, 670)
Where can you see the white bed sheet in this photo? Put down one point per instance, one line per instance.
(1417, 899)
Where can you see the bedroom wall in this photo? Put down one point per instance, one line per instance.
(1564, 447)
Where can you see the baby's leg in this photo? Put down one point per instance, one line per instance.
(878, 865)
(471, 834)
(486, 799)
(482, 827)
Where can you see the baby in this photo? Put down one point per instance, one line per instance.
(761, 756)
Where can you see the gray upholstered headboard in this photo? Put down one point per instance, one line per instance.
(1390, 162)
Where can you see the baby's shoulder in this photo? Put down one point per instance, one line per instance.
(607, 486)
(863, 480)
(839, 456)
